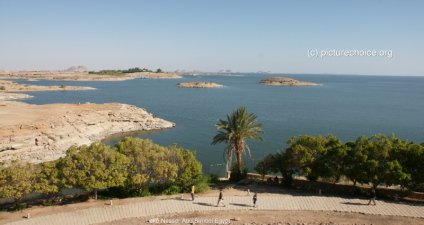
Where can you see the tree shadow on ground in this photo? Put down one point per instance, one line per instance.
(353, 203)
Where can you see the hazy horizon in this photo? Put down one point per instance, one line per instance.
(302, 37)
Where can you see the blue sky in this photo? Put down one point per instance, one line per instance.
(245, 36)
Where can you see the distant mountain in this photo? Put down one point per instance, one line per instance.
(77, 69)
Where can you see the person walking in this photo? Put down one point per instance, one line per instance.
(372, 197)
(220, 199)
(192, 192)
(255, 197)
(276, 181)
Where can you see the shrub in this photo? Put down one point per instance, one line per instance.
(234, 176)
(2, 88)
(62, 86)
(19, 207)
(213, 178)
(173, 189)
(49, 203)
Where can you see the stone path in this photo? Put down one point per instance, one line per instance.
(286, 202)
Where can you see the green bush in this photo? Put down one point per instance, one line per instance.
(213, 178)
(144, 192)
(19, 207)
(234, 176)
(49, 203)
(173, 189)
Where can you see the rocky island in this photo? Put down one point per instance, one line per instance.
(38, 133)
(199, 85)
(284, 81)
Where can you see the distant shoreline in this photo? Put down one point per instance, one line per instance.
(83, 76)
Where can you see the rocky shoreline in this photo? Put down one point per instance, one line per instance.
(284, 81)
(13, 86)
(38, 133)
(4, 96)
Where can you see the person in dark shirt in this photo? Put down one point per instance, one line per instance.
(255, 197)
(220, 199)
(372, 197)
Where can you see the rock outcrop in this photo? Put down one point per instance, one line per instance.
(13, 86)
(13, 96)
(199, 85)
(284, 81)
(38, 133)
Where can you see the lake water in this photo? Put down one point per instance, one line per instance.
(347, 106)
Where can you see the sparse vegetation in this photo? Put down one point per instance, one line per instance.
(120, 72)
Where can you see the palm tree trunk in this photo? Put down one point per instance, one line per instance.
(239, 151)
(239, 163)
(95, 193)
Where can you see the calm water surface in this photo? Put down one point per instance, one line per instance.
(347, 106)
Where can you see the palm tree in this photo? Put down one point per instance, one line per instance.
(238, 126)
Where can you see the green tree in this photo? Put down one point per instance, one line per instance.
(47, 178)
(188, 167)
(332, 159)
(379, 165)
(94, 167)
(284, 164)
(354, 163)
(265, 165)
(159, 71)
(152, 163)
(233, 131)
(16, 180)
(415, 166)
(305, 152)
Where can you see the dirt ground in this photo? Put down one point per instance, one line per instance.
(232, 216)
(273, 217)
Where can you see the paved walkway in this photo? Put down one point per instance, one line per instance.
(286, 202)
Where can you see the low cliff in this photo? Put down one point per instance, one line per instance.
(38, 133)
